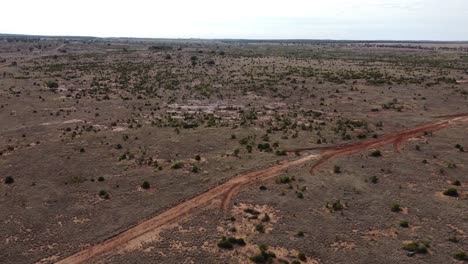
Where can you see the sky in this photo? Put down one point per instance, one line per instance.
(240, 19)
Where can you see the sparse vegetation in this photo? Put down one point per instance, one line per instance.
(246, 125)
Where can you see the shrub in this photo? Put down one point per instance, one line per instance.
(260, 228)
(249, 148)
(404, 224)
(335, 206)
(416, 247)
(236, 241)
(395, 208)
(283, 180)
(456, 183)
(236, 152)
(100, 178)
(454, 239)
(224, 244)
(197, 157)
(461, 255)
(280, 152)
(264, 147)
(251, 211)
(263, 188)
(52, 85)
(177, 165)
(266, 218)
(376, 153)
(195, 169)
(336, 169)
(374, 179)
(300, 234)
(9, 180)
(301, 256)
(451, 192)
(264, 256)
(258, 259)
(145, 185)
(103, 194)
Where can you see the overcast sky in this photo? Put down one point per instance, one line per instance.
(260, 19)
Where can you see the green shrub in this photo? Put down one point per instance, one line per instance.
(280, 152)
(195, 169)
(416, 247)
(300, 234)
(396, 208)
(177, 165)
(103, 194)
(376, 153)
(404, 224)
(264, 147)
(283, 180)
(197, 157)
(461, 255)
(374, 179)
(456, 183)
(101, 179)
(451, 192)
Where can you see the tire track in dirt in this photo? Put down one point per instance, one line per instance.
(147, 230)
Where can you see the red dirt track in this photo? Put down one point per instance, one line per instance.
(147, 230)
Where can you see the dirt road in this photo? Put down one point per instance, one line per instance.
(148, 230)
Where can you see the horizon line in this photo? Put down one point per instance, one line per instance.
(234, 39)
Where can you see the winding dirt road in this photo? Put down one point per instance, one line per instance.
(148, 230)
